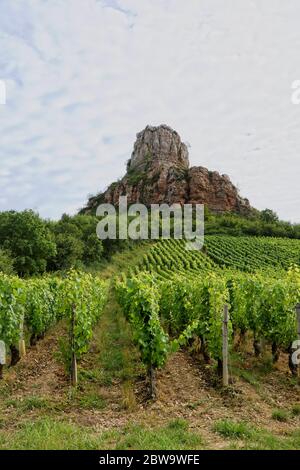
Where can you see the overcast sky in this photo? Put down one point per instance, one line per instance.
(84, 76)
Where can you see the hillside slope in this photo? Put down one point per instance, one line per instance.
(109, 409)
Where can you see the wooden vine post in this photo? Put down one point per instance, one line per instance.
(225, 347)
(298, 319)
(294, 368)
(2, 357)
(298, 328)
(74, 377)
(22, 346)
(152, 382)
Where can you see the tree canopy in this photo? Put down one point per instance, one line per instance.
(28, 239)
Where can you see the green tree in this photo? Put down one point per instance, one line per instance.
(269, 216)
(93, 247)
(69, 251)
(76, 241)
(28, 239)
(6, 262)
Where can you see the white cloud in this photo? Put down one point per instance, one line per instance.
(82, 80)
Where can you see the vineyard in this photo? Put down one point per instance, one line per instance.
(253, 253)
(167, 314)
(175, 295)
(170, 297)
(170, 256)
(248, 254)
(29, 308)
(173, 302)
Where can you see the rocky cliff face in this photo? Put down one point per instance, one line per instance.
(158, 172)
(158, 146)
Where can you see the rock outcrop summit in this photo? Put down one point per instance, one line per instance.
(159, 172)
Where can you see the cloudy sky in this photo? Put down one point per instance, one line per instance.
(83, 76)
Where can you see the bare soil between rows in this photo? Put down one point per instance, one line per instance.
(184, 391)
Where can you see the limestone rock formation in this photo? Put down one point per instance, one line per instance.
(158, 172)
(158, 146)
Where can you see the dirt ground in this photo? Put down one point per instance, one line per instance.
(186, 389)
